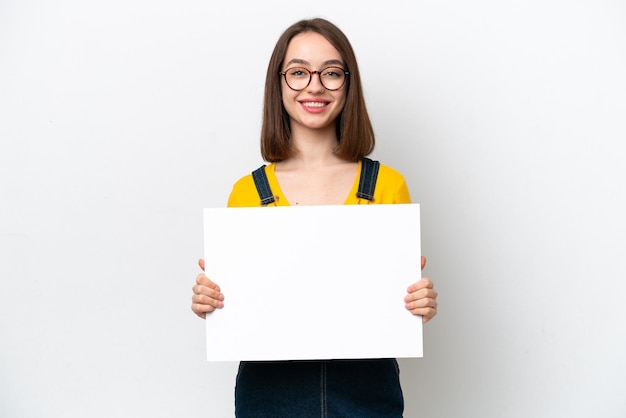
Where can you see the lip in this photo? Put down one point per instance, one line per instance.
(314, 106)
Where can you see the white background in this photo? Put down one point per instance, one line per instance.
(121, 120)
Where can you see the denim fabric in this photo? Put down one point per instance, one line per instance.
(367, 180)
(263, 186)
(326, 389)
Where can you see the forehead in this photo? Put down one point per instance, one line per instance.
(312, 48)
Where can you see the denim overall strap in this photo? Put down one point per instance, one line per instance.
(263, 186)
(367, 182)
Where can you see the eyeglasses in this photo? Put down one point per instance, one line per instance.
(332, 78)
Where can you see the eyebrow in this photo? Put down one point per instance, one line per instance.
(325, 63)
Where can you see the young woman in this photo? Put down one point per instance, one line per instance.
(316, 134)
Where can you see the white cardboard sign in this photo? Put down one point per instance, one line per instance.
(313, 282)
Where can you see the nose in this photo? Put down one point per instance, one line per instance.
(315, 85)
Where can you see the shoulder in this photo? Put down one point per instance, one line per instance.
(244, 193)
(391, 186)
(389, 174)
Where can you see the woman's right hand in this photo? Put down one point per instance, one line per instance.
(207, 295)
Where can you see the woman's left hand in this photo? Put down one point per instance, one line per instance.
(422, 298)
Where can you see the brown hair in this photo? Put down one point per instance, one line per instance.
(354, 128)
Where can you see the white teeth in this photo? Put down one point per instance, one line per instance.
(314, 104)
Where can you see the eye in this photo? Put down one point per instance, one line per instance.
(333, 72)
(297, 72)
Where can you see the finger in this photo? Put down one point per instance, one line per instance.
(429, 315)
(426, 308)
(201, 310)
(423, 283)
(200, 314)
(201, 264)
(203, 280)
(423, 262)
(214, 293)
(426, 313)
(201, 304)
(413, 302)
(208, 301)
(421, 294)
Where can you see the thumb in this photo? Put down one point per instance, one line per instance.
(201, 263)
(423, 263)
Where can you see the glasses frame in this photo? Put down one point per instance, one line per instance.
(319, 75)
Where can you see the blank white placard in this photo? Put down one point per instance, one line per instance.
(313, 282)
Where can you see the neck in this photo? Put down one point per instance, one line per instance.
(313, 147)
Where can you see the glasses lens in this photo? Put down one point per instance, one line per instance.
(333, 77)
(297, 78)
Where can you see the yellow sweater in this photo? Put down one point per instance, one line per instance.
(390, 188)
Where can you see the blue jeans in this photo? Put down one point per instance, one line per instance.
(321, 389)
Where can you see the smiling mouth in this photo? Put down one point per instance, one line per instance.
(314, 104)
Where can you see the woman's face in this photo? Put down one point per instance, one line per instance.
(313, 107)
